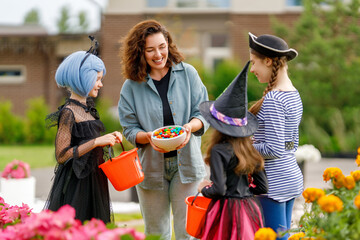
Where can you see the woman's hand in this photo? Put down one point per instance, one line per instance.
(108, 139)
(203, 184)
(148, 135)
(188, 129)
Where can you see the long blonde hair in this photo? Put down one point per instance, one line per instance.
(277, 63)
(250, 160)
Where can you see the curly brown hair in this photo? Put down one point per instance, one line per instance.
(132, 51)
(277, 63)
(250, 159)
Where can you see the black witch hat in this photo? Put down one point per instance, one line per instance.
(228, 113)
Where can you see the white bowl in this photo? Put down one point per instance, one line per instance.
(169, 144)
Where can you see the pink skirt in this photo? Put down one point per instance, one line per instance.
(232, 219)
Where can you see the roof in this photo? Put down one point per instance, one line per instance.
(23, 30)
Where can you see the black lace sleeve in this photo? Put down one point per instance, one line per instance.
(63, 149)
(52, 119)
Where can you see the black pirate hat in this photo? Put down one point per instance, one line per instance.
(228, 113)
(271, 46)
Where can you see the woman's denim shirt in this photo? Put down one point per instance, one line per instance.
(140, 109)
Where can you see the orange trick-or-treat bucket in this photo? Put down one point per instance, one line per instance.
(123, 171)
(195, 214)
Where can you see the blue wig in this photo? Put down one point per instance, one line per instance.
(81, 81)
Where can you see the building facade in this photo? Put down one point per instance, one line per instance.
(208, 30)
(29, 58)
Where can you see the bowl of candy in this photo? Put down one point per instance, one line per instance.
(169, 137)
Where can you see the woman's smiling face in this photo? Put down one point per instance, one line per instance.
(156, 51)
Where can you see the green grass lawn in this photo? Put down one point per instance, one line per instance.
(37, 156)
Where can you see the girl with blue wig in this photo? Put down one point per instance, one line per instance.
(79, 182)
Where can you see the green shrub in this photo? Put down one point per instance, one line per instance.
(108, 115)
(11, 126)
(316, 135)
(35, 122)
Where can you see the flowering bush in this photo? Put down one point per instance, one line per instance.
(19, 223)
(10, 215)
(307, 153)
(16, 169)
(332, 213)
(265, 234)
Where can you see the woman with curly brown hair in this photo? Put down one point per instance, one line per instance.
(279, 113)
(162, 90)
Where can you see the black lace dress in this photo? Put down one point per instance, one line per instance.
(79, 181)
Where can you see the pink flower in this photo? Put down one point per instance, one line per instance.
(94, 227)
(16, 169)
(49, 225)
(10, 215)
(116, 233)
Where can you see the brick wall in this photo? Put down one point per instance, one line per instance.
(257, 24)
(39, 68)
(41, 60)
(113, 28)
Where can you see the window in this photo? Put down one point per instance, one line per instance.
(157, 3)
(12, 74)
(188, 3)
(218, 3)
(217, 49)
(294, 3)
(218, 40)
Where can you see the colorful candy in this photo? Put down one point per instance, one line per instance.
(168, 132)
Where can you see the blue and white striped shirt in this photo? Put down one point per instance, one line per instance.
(279, 119)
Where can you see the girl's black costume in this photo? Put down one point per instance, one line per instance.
(79, 181)
(233, 212)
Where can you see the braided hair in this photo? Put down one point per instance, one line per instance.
(277, 63)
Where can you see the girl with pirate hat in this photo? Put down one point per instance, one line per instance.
(236, 167)
(279, 113)
(79, 182)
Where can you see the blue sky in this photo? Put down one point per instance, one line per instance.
(14, 11)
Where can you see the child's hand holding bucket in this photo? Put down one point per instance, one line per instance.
(108, 139)
(118, 136)
(203, 184)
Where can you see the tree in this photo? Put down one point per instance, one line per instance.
(83, 21)
(32, 17)
(327, 71)
(63, 22)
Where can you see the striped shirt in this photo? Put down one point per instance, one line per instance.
(279, 119)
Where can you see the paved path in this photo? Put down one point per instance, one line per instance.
(44, 182)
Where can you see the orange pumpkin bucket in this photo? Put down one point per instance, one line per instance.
(195, 214)
(123, 171)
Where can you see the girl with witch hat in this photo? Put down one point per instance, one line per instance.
(279, 113)
(236, 167)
